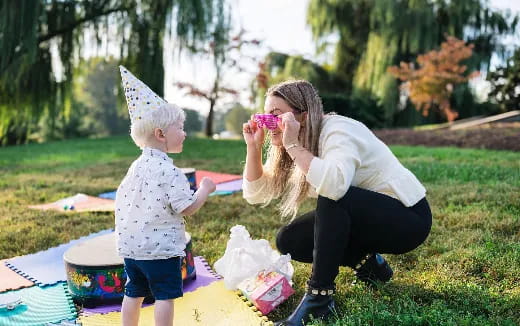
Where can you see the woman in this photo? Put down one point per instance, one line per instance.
(368, 203)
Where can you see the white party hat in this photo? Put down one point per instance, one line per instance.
(140, 98)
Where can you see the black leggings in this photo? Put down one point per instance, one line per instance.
(341, 233)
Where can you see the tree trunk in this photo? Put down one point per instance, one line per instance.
(209, 121)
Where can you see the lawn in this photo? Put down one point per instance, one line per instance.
(467, 272)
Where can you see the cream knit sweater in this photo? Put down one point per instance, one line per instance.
(350, 154)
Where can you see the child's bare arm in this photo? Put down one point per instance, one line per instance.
(207, 186)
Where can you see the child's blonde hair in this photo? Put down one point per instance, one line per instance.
(164, 116)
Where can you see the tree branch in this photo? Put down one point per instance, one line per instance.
(72, 26)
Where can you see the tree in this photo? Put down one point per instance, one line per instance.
(193, 121)
(505, 83)
(277, 67)
(30, 29)
(96, 88)
(221, 52)
(236, 117)
(432, 84)
(359, 105)
(350, 21)
(376, 34)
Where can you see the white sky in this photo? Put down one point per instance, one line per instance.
(281, 24)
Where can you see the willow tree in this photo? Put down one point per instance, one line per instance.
(505, 81)
(29, 29)
(375, 34)
(277, 67)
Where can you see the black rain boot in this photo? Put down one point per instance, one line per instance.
(317, 303)
(372, 269)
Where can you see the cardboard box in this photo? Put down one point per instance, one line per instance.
(266, 290)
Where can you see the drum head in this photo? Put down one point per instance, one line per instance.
(98, 251)
(187, 170)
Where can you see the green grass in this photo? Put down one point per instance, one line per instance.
(467, 272)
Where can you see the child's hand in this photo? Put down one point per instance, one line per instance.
(208, 184)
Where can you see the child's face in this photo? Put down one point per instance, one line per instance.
(175, 136)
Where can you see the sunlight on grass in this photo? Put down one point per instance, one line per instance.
(467, 272)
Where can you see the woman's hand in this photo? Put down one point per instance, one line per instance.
(290, 128)
(253, 135)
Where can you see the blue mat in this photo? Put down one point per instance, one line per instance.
(46, 267)
(40, 305)
(108, 195)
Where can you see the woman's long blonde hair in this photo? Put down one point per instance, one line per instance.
(287, 181)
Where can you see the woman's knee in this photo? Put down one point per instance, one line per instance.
(283, 242)
(326, 206)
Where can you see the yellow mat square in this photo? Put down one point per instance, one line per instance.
(209, 305)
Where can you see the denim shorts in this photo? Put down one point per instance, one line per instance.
(159, 278)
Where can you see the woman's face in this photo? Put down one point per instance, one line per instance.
(276, 105)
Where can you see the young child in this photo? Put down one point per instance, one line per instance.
(150, 204)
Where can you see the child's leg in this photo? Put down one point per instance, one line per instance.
(163, 313)
(130, 310)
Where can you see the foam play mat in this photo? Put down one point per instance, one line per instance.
(39, 306)
(235, 185)
(205, 276)
(79, 203)
(215, 176)
(209, 305)
(227, 184)
(10, 280)
(46, 267)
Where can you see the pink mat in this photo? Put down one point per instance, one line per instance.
(10, 280)
(81, 203)
(215, 176)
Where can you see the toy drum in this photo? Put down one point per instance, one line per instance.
(190, 175)
(188, 264)
(96, 274)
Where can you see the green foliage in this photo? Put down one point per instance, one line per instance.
(350, 20)
(374, 35)
(219, 121)
(96, 87)
(30, 29)
(504, 84)
(280, 67)
(466, 273)
(465, 102)
(360, 106)
(236, 117)
(193, 123)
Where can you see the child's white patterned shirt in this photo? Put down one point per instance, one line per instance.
(149, 203)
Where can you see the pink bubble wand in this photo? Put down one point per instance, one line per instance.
(265, 120)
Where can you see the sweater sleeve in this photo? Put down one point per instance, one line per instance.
(254, 191)
(332, 172)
